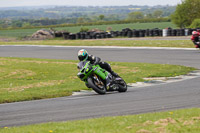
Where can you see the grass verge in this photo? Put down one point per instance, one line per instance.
(177, 121)
(28, 79)
(107, 42)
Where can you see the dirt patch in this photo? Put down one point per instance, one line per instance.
(126, 69)
(7, 39)
(35, 85)
(160, 130)
(148, 123)
(20, 73)
(38, 62)
(121, 67)
(2, 70)
(134, 125)
(196, 118)
(73, 77)
(156, 78)
(161, 124)
(2, 63)
(190, 122)
(165, 122)
(143, 131)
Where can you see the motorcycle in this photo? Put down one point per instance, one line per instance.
(99, 79)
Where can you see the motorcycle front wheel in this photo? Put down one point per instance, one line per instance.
(97, 85)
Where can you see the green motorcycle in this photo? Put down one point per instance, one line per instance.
(99, 79)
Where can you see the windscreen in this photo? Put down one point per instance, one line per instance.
(81, 64)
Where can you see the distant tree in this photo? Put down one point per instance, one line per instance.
(4, 25)
(17, 23)
(101, 17)
(178, 17)
(26, 24)
(186, 13)
(135, 15)
(36, 24)
(149, 15)
(112, 17)
(80, 20)
(158, 13)
(195, 24)
(84, 29)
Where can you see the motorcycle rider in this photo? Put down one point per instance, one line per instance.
(84, 56)
(198, 30)
(195, 39)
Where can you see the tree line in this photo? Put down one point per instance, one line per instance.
(184, 15)
(82, 15)
(187, 14)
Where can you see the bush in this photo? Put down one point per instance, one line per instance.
(195, 24)
(84, 29)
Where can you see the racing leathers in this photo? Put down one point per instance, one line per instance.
(196, 40)
(96, 60)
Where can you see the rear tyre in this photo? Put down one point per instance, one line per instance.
(122, 86)
(97, 85)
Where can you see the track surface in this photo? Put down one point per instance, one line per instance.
(183, 94)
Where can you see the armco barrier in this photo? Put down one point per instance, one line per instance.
(130, 33)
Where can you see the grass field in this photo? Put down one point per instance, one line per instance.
(75, 29)
(176, 121)
(123, 43)
(28, 79)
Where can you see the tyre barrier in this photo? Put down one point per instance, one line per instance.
(72, 36)
(65, 35)
(129, 33)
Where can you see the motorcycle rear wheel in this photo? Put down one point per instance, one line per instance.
(122, 86)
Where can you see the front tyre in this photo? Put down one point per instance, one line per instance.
(97, 85)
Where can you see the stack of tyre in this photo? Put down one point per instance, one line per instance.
(127, 32)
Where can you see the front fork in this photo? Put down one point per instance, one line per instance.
(109, 79)
(98, 82)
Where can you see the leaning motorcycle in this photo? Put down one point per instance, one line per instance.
(99, 79)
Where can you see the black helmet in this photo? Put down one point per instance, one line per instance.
(82, 55)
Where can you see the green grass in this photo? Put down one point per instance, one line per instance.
(28, 79)
(119, 27)
(177, 121)
(17, 32)
(75, 29)
(123, 43)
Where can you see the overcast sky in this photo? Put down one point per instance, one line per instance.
(12, 3)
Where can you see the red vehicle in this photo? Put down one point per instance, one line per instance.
(196, 38)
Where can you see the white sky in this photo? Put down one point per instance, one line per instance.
(13, 3)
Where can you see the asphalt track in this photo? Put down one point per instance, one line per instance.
(176, 95)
